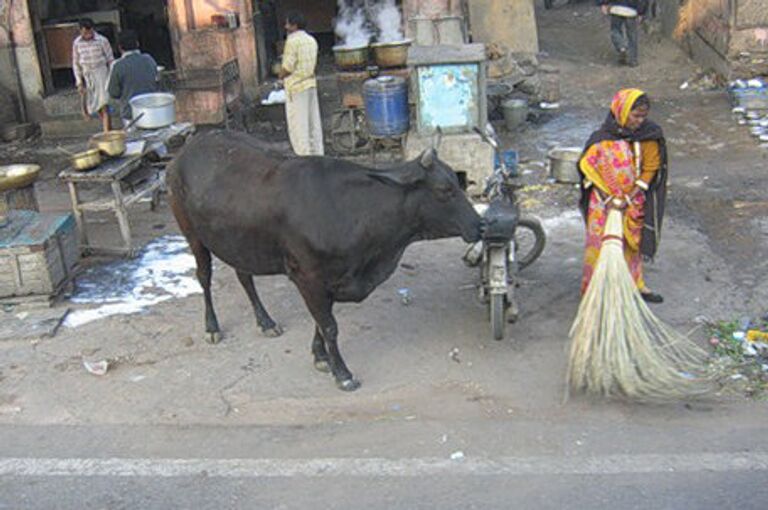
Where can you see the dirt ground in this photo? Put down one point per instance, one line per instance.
(711, 263)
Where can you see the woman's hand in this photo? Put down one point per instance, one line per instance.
(619, 203)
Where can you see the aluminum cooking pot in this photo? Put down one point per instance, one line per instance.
(562, 164)
(158, 109)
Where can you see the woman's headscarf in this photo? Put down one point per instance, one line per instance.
(613, 128)
(622, 104)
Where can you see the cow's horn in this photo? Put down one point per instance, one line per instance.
(427, 157)
(438, 138)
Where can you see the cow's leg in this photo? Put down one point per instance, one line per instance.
(269, 327)
(204, 273)
(320, 306)
(319, 352)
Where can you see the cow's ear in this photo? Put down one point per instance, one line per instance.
(427, 159)
(406, 175)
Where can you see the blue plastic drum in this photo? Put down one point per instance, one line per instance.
(386, 105)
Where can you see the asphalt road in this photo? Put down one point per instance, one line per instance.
(329, 467)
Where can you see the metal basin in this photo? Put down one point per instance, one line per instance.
(86, 160)
(562, 164)
(351, 57)
(391, 54)
(111, 143)
(17, 176)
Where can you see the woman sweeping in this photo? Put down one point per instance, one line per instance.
(625, 166)
(618, 346)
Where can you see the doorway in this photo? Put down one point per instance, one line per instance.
(55, 24)
(270, 16)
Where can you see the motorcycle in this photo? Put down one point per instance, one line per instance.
(509, 244)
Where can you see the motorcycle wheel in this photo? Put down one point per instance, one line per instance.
(498, 315)
(530, 240)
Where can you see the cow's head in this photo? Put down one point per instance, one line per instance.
(435, 198)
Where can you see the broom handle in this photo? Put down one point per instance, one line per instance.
(638, 159)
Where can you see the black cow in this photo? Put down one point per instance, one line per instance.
(335, 228)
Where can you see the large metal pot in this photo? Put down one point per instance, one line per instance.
(563, 164)
(158, 109)
(391, 54)
(111, 143)
(349, 58)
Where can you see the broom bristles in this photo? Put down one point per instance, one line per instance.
(619, 347)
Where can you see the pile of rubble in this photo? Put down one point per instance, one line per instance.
(740, 358)
(521, 75)
(750, 107)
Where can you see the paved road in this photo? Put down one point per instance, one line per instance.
(330, 466)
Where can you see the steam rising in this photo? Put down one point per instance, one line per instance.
(351, 26)
(355, 27)
(388, 21)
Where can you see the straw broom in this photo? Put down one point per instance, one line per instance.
(618, 346)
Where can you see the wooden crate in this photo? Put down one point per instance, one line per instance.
(38, 253)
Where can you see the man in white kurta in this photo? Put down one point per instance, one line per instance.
(91, 57)
(302, 107)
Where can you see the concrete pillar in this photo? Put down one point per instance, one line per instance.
(509, 22)
(26, 56)
(247, 55)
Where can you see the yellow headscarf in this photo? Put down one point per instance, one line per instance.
(622, 104)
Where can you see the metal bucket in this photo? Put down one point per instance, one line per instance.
(563, 164)
(515, 113)
(386, 105)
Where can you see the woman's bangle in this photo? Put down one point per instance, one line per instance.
(641, 184)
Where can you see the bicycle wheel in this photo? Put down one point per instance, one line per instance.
(530, 240)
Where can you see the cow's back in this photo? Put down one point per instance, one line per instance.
(254, 208)
(222, 188)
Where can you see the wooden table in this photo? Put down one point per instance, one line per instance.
(117, 172)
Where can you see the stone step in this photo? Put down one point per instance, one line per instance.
(69, 127)
(63, 104)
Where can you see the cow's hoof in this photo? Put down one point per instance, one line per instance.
(273, 332)
(348, 384)
(213, 338)
(321, 365)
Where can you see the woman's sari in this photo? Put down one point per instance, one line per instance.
(610, 168)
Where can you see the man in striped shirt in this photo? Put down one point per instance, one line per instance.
(91, 57)
(302, 108)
